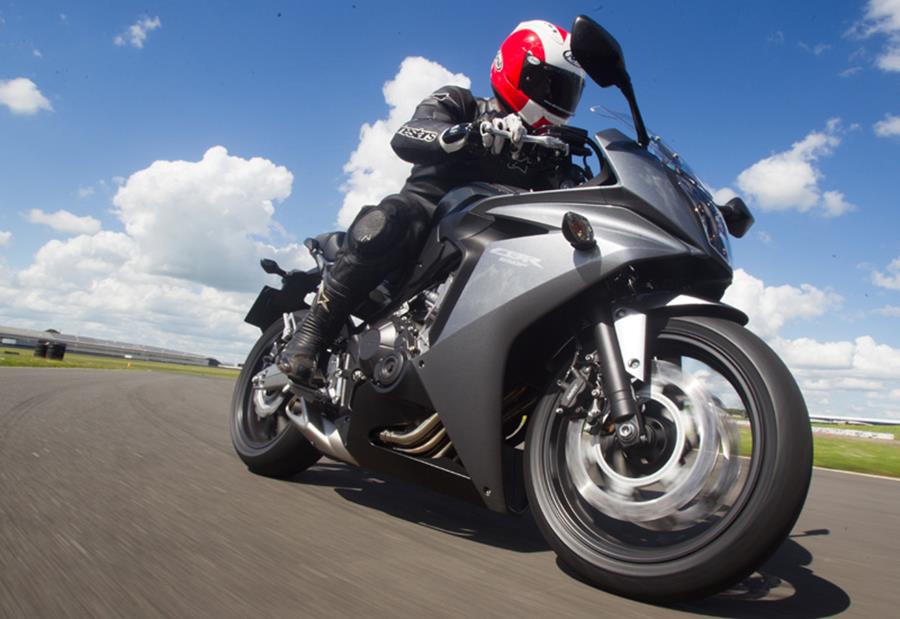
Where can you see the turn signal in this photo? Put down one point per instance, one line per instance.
(578, 231)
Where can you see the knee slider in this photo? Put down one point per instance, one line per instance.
(375, 231)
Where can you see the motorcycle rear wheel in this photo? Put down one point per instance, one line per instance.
(269, 445)
(598, 521)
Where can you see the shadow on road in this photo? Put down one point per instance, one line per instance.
(783, 587)
(427, 508)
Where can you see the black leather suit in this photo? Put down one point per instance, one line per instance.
(394, 230)
(384, 237)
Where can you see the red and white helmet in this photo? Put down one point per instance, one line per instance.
(535, 75)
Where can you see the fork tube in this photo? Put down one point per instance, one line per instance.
(616, 383)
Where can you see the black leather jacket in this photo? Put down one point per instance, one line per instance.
(438, 168)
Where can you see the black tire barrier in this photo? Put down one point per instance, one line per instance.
(56, 351)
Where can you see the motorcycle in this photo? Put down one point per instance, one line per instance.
(562, 352)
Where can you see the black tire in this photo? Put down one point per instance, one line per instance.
(772, 493)
(286, 452)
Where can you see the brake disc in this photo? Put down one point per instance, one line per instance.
(687, 484)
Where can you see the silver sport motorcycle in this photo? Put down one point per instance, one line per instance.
(561, 352)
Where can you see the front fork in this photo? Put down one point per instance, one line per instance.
(624, 412)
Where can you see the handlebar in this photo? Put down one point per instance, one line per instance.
(545, 141)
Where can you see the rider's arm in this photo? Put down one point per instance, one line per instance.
(433, 133)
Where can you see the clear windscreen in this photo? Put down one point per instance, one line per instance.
(667, 155)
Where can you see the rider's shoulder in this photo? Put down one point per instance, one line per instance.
(451, 95)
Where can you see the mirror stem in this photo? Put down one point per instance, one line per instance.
(643, 137)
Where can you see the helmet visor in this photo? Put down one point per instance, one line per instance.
(556, 89)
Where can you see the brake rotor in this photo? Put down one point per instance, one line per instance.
(677, 479)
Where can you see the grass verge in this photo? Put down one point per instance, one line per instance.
(22, 357)
(859, 455)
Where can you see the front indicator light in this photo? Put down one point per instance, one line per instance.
(578, 231)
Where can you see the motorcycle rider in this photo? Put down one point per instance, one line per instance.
(536, 83)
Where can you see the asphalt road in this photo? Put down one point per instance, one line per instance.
(120, 495)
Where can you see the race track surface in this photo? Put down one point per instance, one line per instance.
(120, 495)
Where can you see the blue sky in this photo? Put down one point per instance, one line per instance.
(732, 85)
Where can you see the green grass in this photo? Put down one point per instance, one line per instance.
(23, 357)
(860, 455)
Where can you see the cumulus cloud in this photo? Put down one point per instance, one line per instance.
(22, 96)
(172, 275)
(830, 373)
(84, 192)
(882, 18)
(373, 170)
(205, 221)
(888, 127)
(5, 237)
(64, 221)
(136, 34)
(770, 307)
(890, 278)
(789, 180)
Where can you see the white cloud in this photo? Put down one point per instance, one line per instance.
(838, 383)
(723, 195)
(892, 311)
(84, 192)
(764, 237)
(834, 204)
(811, 354)
(172, 276)
(890, 278)
(770, 307)
(5, 237)
(136, 34)
(205, 221)
(373, 169)
(789, 180)
(850, 71)
(817, 50)
(64, 221)
(22, 96)
(882, 17)
(830, 373)
(888, 127)
(37, 53)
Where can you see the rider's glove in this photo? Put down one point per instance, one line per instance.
(510, 124)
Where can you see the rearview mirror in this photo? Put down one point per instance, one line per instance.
(270, 266)
(737, 216)
(598, 53)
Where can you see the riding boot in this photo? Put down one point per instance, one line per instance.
(344, 286)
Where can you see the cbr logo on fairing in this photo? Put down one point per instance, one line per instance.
(515, 258)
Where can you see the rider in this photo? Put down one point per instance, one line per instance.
(536, 83)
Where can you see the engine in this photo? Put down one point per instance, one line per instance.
(387, 346)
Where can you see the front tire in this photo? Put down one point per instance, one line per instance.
(269, 445)
(610, 541)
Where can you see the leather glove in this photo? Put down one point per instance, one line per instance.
(511, 124)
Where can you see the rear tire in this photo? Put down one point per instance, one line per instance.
(729, 544)
(286, 452)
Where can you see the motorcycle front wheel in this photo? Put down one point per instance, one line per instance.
(702, 503)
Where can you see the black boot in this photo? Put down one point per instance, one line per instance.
(299, 358)
(344, 286)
